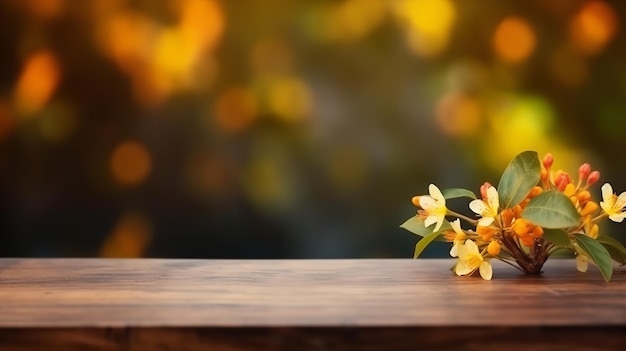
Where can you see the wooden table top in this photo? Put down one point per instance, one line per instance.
(66, 293)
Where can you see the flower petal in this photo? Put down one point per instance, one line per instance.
(621, 200)
(582, 263)
(428, 203)
(478, 206)
(436, 194)
(462, 268)
(485, 221)
(617, 217)
(456, 225)
(492, 199)
(439, 220)
(607, 193)
(486, 270)
(429, 221)
(471, 246)
(454, 251)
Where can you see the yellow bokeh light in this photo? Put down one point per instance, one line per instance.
(593, 27)
(459, 115)
(428, 23)
(162, 59)
(130, 163)
(235, 109)
(289, 98)
(129, 238)
(202, 24)
(519, 123)
(356, 18)
(514, 40)
(37, 82)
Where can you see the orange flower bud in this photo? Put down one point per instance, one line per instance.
(583, 171)
(507, 217)
(521, 227)
(548, 160)
(569, 190)
(493, 248)
(483, 190)
(486, 232)
(535, 191)
(449, 235)
(593, 178)
(537, 232)
(528, 241)
(589, 209)
(583, 197)
(561, 180)
(416, 200)
(593, 233)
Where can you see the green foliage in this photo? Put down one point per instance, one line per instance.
(557, 236)
(416, 226)
(614, 247)
(456, 193)
(519, 177)
(551, 210)
(597, 253)
(422, 244)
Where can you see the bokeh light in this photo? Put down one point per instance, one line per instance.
(593, 27)
(130, 163)
(428, 23)
(39, 79)
(286, 129)
(514, 40)
(129, 238)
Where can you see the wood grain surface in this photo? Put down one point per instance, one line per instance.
(113, 304)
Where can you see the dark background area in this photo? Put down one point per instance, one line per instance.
(282, 129)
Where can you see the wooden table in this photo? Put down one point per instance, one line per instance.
(173, 304)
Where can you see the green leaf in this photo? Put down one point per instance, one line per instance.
(422, 244)
(519, 177)
(551, 209)
(615, 253)
(597, 253)
(416, 226)
(557, 236)
(614, 247)
(610, 241)
(457, 192)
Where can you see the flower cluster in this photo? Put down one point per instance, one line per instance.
(534, 212)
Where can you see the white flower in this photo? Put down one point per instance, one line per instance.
(488, 209)
(458, 239)
(434, 207)
(470, 259)
(613, 205)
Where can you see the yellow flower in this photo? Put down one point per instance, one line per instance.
(459, 237)
(488, 208)
(434, 207)
(470, 259)
(613, 205)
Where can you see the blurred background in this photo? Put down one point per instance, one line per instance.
(287, 129)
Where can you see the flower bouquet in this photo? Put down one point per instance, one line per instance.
(533, 213)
